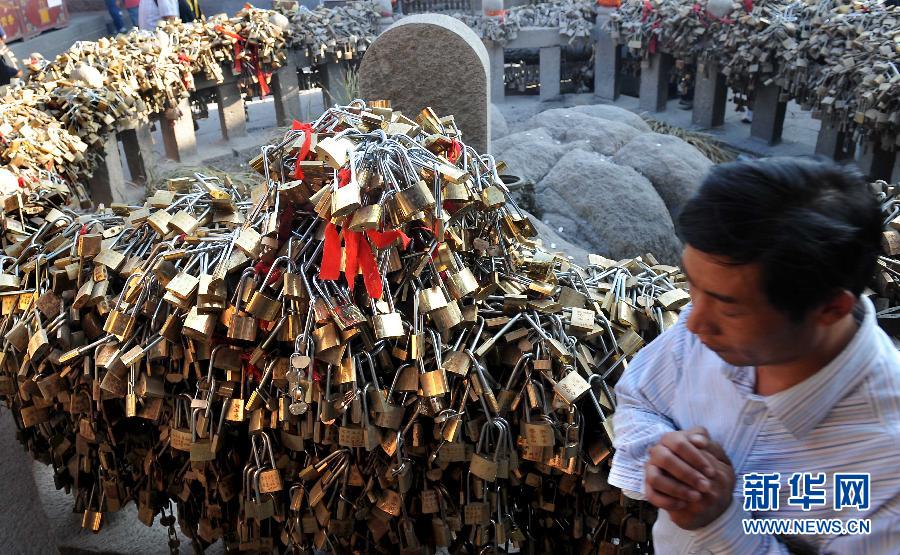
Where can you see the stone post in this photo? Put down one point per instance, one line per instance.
(877, 162)
(550, 68)
(232, 118)
(768, 114)
(138, 145)
(108, 181)
(286, 88)
(496, 61)
(654, 92)
(607, 64)
(832, 141)
(178, 134)
(710, 96)
(334, 83)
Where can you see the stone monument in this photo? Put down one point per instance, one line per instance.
(432, 60)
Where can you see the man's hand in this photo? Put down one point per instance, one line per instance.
(690, 476)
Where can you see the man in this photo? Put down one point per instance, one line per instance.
(776, 366)
(112, 6)
(9, 65)
(151, 11)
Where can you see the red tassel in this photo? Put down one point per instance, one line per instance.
(353, 243)
(384, 239)
(304, 150)
(371, 276)
(331, 254)
(343, 177)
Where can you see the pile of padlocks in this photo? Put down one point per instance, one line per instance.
(56, 120)
(887, 273)
(575, 19)
(841, 57)
(224, 354)
(330, 34)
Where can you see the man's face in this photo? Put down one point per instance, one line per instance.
(732, 316)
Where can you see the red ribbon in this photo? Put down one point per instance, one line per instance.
(384, 239)
(748, 5)
(331, 251)
(330, 269)
(455, 151)
(307, 129)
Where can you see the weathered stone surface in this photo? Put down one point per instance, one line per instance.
(554, 242)
(558, 121)
(604, 136)
(674, 167)
(432, 60)
(503, 143)
(530, 154)
(614, 113)
(616, 211)
(499, 128)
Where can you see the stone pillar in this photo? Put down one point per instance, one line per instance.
(447, 52)
(178, 134)
(138, 144)
(710, 96)
(831, 141)
(877, 162)
(607, 64)
(655, 82)
(768, 114)
(108, 181)
(232, 118)
(286, 88)
(550, 69)
(496, 61)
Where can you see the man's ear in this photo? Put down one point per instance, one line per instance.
(836, 308)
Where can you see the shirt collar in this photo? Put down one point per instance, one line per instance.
(803, 406)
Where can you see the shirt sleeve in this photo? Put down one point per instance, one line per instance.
(644, 395)
(726, 534)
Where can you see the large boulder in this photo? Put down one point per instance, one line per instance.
(604, 136)
(674, 167)
(559, 121)
(499, 128)
(554, 242)
(503, 143)
(529, 154)
(614, 113)
(613, 210)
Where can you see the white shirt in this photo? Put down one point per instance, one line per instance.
(151, 11)
(845, 418)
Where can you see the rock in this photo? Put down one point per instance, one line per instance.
(412, 82)
(499, 128)
(606, 137)
(560, 120)
(614, 113)
(503, 143)
(616, 211)
(554, 242)
(674, 167)
(529, 154)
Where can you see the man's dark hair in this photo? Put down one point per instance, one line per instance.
(814, 227)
